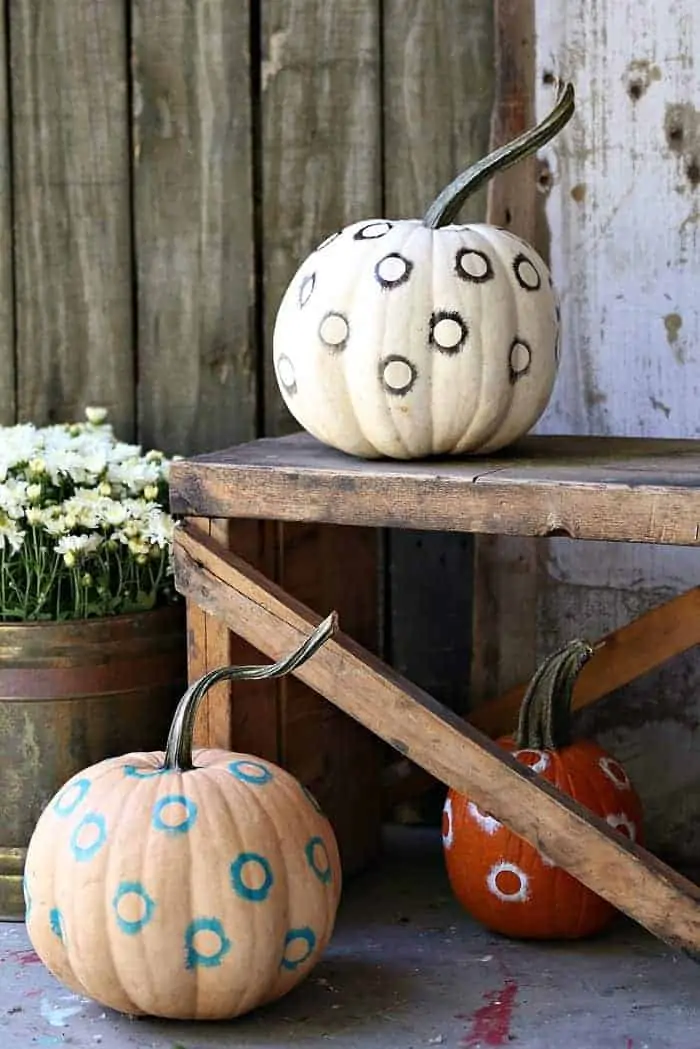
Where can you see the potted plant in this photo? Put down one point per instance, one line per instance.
(92, 644)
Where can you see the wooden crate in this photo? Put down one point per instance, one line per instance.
(243, 582)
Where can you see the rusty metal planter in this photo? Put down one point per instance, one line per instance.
(72, 694)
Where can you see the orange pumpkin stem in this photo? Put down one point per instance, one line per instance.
(545, 713)
(178, 751)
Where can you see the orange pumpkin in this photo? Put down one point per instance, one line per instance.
(501, 879)
(184, 885)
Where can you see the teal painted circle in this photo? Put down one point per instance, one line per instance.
(250, 772)
(194, 958)
(133, 925)
(83, 852)
(308, 937)
(137, 773)
(56, 923)
(70, 797)
(190, 814)
(249, 864)
(27, 896)
(318, 859)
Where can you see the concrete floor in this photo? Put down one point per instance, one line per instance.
(406, 969)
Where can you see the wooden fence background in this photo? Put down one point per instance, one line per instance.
(165, 165)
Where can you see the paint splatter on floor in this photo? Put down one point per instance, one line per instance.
(491, 1024)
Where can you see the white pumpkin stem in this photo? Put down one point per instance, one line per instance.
(545, 712)
(178, 751)
(445, 207)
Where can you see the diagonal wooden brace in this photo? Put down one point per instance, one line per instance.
(438, 740)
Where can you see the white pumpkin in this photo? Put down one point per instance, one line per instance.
(413, 338)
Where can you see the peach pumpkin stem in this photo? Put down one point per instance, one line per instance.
(178, 751)
(545, 712)
(445, 207)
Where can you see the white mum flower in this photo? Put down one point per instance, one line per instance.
(80, 545)
(159, 527)
(95, 415)
(10, 534)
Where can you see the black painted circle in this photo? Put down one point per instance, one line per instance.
(285, 374)
(393, 270)
(404, 371)
(526, 273)
(467, 256)
(448, 331)
(306, 288)
(521, 348)
(373, 230)
(334, 330)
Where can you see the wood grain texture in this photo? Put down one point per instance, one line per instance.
(642, 491)
(620, 657)
(437, 70)
(321, 141)
(419, 727)
(505, 567)
(622, 210)
(193, 223)
(328, 567)
(8, 375)
(70, 142)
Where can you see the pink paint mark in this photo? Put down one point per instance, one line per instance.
(629, 1044)
(490, 1025)
(24, 957)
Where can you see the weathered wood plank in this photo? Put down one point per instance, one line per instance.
(193, 223)
(321, 142)
(441, 742)
(330, 567)
(622, 209)
(70, 143)
(437, 63)
(8, 375)
(620, 657)
(505, 567)
(581, 491)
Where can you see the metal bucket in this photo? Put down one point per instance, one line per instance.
(72, 694)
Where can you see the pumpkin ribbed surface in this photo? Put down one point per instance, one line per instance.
(182, 894)
(395, 339)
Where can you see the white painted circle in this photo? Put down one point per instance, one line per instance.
(448, 834)
(375, 229)
(398, 375)
(520, 357)
(334, 329)
(474, 265)
(615, 773)
(621, 822)
(520, 894)
(486, 822)
(448, 333)
(392, 269)
(285, 371)
(541, 759)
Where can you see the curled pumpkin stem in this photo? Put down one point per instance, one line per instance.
(178, 751)
(545, 712)
(445, 207)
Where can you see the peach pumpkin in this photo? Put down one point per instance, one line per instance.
(184, 885)
(501, 879)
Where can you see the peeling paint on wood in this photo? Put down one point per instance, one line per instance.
(623, 212)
